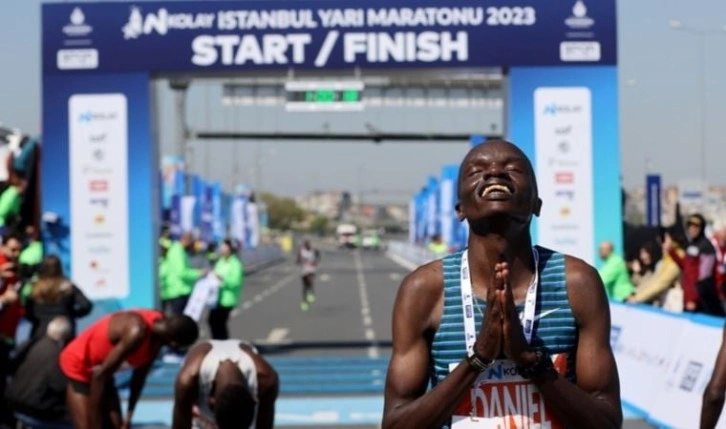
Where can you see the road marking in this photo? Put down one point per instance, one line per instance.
(402, 262)
(325, 277)
(276, 336)
(373, 351)
(394, 276)
(262, 295)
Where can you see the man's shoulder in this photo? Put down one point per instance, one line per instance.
(425, 277)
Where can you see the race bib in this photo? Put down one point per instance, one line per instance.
(501, 399)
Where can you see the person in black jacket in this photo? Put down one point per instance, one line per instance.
(38, 387)
(54, 295)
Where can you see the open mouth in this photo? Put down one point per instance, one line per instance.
(496, 189)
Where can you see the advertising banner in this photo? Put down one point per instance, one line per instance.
(316, 34)
(563, 159)
(643, 341)
(678, 396)
(99, 194)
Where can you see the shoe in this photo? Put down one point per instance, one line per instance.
(304, 306)
(311, 298)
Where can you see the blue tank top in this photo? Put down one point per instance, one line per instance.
(554, 329)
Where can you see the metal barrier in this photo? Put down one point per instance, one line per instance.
(413, 254)
(261, 257)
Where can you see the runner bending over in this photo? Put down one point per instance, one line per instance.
(225, 385)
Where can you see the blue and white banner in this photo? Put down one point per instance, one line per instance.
(188, 204)
(175, 216)
(171, 179)
(207, 224)
(198, 191)
(218, 217)
(447, 205)
(238, 215)
(412, 221)
(652, 199)
(317, 34)
(433, 224)
(253, 226)
(665, 361)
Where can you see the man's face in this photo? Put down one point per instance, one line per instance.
(12, 249)
(496, 179)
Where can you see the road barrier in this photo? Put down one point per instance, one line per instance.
(664, 359)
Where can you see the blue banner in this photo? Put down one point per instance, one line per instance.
(198, 191)
(175, 225)
(217, 212)
(421, 204)
(207, 220)
(316, 34)
(433, 222)
(447, 205)
(652, 199)
(180, 179)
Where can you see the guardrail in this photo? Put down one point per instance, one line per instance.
(261, 257)
(414, 255)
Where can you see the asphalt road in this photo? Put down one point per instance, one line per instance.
(331, 358)
(350, 317)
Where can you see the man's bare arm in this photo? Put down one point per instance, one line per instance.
(595, 401)
(407, 404)
(269, 389)
(186, 387)
(713, 395)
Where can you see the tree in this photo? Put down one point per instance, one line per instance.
(318, 225)
(283, 212)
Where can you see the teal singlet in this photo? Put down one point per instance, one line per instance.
(554, 329)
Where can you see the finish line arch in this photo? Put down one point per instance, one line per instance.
(100, 165)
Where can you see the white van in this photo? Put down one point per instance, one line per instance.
(345, 234)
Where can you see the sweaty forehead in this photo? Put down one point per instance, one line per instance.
(495, 149)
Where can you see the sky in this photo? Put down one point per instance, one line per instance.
(660, 111)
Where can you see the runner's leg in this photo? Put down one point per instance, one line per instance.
(78, 404)
(306, 284)
(112, 417)
(311, 288)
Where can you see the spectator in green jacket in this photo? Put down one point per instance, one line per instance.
(231, 272)
(180, 277)
(614, 273)
(10, 201)
(32, 254)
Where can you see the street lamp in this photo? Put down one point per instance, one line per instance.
(700, 34)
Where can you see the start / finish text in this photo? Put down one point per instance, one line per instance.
(294, 48)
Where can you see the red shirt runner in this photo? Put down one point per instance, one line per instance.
(92, 347)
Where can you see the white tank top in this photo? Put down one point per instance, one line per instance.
(227, 350)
